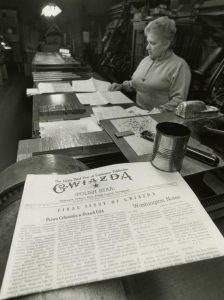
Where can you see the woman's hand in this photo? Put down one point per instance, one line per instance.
(115, 87)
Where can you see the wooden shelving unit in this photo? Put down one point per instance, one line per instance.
(138, 50)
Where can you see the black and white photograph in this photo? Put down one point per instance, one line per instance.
(112, 149)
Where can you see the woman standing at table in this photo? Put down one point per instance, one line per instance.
(162, 79)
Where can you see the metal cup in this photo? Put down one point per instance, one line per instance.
(169, 146)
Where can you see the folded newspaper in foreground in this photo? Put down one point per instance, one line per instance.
(105, 223)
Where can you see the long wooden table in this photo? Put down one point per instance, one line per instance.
(200, 280)
(53, 61)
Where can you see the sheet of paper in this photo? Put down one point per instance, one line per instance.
(90, 85)
(101, 85)
(105, 223)
(32, 92)
(64, 129)
(139, 145)
(86, 85)
(54, 87)
(136, 111)
(116, 97)
(92, 98)
(135, 124)
(111, 112)
(155, 110)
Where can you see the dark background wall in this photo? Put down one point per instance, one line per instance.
(76, 16)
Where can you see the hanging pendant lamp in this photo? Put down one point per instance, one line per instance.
(51, 10)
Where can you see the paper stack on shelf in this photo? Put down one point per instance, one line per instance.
(52, 76)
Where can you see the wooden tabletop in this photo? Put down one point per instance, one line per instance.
(52, 58)
(67, 107)
(52, 61)
(199, 280)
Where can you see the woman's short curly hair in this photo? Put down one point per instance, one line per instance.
(163, 26)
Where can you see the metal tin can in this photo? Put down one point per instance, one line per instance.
(169, 146)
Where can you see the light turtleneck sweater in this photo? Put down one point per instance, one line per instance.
(161, 83)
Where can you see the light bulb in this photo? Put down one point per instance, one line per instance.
(51, 10)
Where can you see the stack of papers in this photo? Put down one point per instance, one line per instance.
(103, 98)
(116, 97)
(90, 85)
(54, 87)
(102, 113)
(92, 99)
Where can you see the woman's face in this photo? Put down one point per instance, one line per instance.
(156, 46)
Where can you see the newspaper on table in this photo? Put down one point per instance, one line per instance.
(90, 85)
(105, 223)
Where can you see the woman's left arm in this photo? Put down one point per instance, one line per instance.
(179, 87)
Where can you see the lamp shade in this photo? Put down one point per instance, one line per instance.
(51, 10)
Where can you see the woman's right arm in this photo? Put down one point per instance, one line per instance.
(124, 86)
(115, 86)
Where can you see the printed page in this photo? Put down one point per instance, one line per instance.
(84, 86)
(111, 112)
(101, 85)
(116, 97)
(92, 99)
(105, 223)
(135, 124)
(54, 87)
